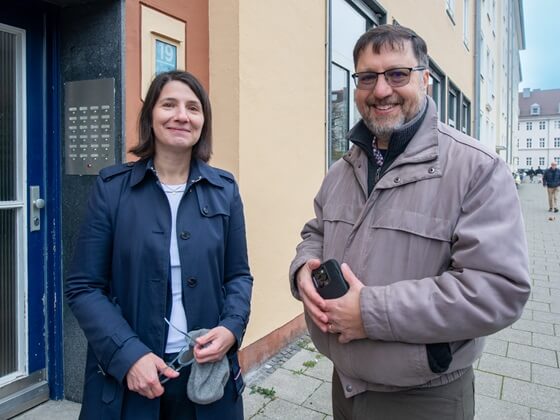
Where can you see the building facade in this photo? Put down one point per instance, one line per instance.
(279, 77)
(538, 134)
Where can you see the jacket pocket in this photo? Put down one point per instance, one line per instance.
(382, 362)
(426, 226)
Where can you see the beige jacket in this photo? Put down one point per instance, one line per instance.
(440, 246)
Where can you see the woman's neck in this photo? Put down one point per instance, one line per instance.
(172, 168)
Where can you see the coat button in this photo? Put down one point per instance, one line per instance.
(348, 388)
(192, 282)
(397, 180)
(431, 170)
(205, 210)
(185, 235)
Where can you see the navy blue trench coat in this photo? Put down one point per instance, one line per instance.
(117, 286)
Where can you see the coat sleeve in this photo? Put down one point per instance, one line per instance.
(486, 285)
(115, 345)
(238, 282)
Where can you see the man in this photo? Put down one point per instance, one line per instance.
(551, 179)
(415, 211)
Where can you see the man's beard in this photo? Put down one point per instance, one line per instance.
(384, 131)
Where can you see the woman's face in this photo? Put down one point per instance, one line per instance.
(177, 118)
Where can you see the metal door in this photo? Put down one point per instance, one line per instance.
(24, 135)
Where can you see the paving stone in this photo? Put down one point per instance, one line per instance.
(323, 370)
(526, 314)
(488, 384)
(544, 341)
(537, 306)
(492, 409)
(545, 375)
(531, 395)
(495, 346)
(291, 387)
(296, 362)
(550, 317)
(555, 307)
(281, 410)
(555, 293)
(532, 354)
(552, 284)
(320, 400)
(513, 336)
(253, 403)
(504, 366)
(533, 326)
(543, 415)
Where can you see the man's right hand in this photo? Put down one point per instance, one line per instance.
(143, 376)
(312, 302)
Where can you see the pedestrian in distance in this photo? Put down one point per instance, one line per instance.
(160, 281)
(531, 173)
(415, 212)
(551, 180)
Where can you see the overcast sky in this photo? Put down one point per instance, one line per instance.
(540, 61)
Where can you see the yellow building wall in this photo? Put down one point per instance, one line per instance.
(429, 19)
(268, 93)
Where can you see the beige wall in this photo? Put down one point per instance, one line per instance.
(444, 38)
(267, 86)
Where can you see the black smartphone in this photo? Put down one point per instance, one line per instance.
(329, 281)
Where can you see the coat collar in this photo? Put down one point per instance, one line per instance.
(199, 171)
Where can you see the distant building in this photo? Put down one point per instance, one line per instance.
(538, 134)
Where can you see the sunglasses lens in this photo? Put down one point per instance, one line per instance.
(186, 356)
(398, 77)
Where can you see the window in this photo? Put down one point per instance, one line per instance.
(436, 89)
(529, 161)
(541, 142)
(556, 141)
(557, 124)
(541, 161)
(452, 106)
(535, 109)
(557, 159)
(518, 143)
(529, 126)
(542, 125)
(529, 143)
(465, 116)
(348, 21)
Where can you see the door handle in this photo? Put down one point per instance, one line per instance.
(37, 203)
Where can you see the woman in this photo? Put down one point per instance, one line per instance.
(163, 240)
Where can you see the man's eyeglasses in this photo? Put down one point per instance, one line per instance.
(394, 77)
(184, 358)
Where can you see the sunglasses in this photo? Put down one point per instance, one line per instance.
(395, 77)
(184, 358)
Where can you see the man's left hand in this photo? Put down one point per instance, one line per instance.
(213, 346)
(344, 314)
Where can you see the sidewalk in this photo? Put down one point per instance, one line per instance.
(517, 377)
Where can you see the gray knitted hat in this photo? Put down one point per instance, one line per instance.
(207, 380)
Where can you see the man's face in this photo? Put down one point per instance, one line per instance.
(385, 108)
(553, 165)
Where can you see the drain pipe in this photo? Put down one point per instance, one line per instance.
(477, 55)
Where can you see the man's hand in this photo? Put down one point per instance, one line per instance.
(344, 314)
(312, 302)
(143, 376)
(213, 346)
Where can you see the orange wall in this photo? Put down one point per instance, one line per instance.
(195, 14)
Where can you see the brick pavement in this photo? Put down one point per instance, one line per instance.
(517, 377)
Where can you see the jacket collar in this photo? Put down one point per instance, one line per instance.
(199, 171)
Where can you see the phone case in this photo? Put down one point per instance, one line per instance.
(329, 281)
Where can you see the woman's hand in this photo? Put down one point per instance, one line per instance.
(143, 376)
(213, 346)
